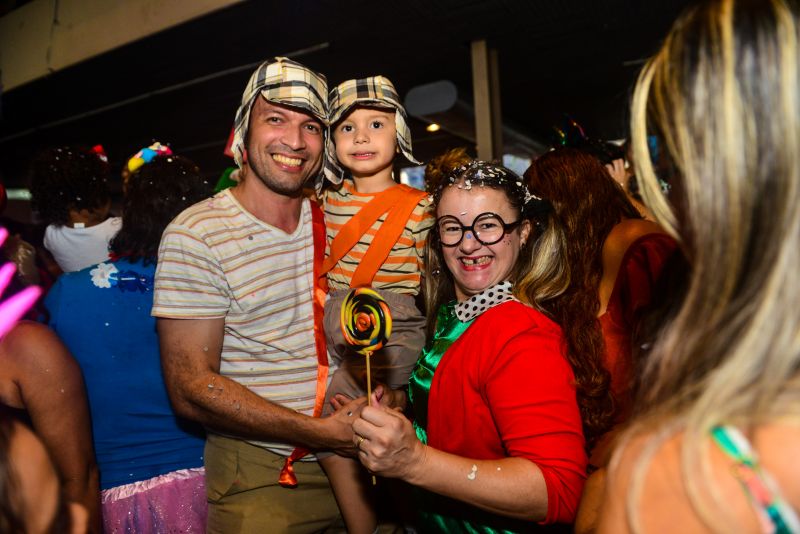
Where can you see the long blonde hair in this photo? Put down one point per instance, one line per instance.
(722, 98)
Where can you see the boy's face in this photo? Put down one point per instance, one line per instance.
(366, 141)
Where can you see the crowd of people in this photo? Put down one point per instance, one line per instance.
(592, 346)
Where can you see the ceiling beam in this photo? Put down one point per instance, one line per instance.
(45, 36)
(486, 92)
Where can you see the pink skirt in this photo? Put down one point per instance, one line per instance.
(174, 502)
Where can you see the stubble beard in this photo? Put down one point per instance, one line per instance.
(260, 169)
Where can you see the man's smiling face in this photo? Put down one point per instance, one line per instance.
(284, 146)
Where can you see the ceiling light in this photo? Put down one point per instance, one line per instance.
(433, 127)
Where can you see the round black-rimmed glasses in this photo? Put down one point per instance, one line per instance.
(487, 229)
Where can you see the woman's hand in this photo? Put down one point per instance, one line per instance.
(387, 443)
(617, 171)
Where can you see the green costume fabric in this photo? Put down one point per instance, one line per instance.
(448, 330)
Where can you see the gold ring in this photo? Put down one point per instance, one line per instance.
(360, 441)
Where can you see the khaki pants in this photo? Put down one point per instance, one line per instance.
(244, 494)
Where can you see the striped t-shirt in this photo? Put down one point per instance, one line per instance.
(218, 260)
(401, 272)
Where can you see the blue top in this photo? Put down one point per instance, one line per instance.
(102, 314)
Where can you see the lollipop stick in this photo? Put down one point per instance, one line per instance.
(367, 354)
(369, 378)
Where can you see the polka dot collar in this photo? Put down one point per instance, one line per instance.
(488, 298)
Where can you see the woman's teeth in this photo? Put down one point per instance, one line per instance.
(476, 261)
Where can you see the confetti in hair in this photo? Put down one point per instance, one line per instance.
(477, 173)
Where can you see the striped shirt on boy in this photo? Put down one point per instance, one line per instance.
(402, 270)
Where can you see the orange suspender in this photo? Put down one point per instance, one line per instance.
(399, 202)
(287, 477)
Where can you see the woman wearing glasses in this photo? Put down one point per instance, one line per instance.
(496, 444)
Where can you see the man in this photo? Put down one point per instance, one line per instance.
(235, 297)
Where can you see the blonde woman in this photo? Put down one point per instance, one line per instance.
(715, 445)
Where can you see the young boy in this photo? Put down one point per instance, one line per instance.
(376, 231)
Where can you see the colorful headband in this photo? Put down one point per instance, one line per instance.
(147, 154)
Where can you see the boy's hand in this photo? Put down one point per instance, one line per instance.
(383, 395)
(339, 400)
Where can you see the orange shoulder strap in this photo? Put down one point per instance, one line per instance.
(400, 202)
(287, 476)
(386, 237)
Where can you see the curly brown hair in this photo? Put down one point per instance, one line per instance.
(439, 167)
(587, 204)
(68, 178)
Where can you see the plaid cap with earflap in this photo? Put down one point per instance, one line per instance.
(375, 91)
(282, 81)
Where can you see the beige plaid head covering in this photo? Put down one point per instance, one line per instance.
(282, 81)
(373, 91)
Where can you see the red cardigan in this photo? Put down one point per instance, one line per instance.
(505, 389)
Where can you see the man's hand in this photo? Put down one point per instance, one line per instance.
(340, 425)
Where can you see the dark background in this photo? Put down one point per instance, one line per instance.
(183, 85)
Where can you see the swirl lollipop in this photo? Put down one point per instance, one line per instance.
(366, 320)
(366, 325)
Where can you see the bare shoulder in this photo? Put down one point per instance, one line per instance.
(626, 232)
(40, 376)
(663, 503)
(617, 243)
(31, 345)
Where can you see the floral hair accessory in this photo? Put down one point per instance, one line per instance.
(147, 154)
(106, 275)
